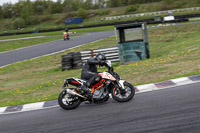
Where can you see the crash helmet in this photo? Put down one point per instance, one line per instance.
(66, 29)
(101, 57)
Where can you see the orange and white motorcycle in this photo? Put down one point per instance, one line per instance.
(121, 91)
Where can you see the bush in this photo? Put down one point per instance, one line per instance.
(82, 13)
(18, 23)
(166, 5)
(102, 12)
(33, 20)
(71, 14)
(132, 8)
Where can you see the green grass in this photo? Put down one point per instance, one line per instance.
(175, 52)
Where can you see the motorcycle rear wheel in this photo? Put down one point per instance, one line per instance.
(67, 101)
(127, 96)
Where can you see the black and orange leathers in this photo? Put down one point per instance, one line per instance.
(89, 71)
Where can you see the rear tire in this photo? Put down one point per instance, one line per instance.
(123, 97)
(74, 102)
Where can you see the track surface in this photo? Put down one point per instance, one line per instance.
(13, 56)
(174, 110)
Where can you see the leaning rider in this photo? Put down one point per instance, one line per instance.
(89, 71)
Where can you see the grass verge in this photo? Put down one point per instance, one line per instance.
(175, 52)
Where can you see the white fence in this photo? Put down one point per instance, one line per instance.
(152, 13)
(111, 54)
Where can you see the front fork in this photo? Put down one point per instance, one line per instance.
(120, 85)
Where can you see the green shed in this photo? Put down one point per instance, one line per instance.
(132, 41)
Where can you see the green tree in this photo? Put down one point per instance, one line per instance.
(132, 2)
(123, 2)
(1, 12)
(113, 3)
(7, 10)
(17, 8)
(56, 7)
(88, 4)
(39, 6)
(27, 10)
(67, 6)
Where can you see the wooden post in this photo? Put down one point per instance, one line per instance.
(92, 53)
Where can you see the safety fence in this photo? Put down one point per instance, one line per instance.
(111, 54)
(152, 13)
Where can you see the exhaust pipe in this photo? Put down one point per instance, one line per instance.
(71, 92)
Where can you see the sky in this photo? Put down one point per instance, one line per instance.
(12, 1)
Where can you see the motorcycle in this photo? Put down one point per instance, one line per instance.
(66, 37)
(111, 83)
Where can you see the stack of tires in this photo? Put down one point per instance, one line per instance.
(77, 62)
(71, 61)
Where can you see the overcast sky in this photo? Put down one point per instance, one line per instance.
(12, 1)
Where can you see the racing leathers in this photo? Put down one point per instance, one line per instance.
(89, 71)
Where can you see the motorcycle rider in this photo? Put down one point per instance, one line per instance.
(66, 33)
(89, 71)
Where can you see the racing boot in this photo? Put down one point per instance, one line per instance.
(88, 94)
(86, 91)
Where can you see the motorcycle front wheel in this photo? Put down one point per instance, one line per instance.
(125, 96)
(67, 101)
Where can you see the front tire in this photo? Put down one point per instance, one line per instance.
(67, 101)
(126, 96)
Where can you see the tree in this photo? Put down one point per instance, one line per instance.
(67, 5)
(56, 7)
(77, 4)
(1, 13)
(88, 4)
(123, 2)
(132, 2)
(113, 3)
(26, 10)
(39, 6)
(7, 10)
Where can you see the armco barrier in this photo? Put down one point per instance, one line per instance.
(152, 13)
(111, 54)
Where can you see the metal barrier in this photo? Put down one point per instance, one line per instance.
(152, 13)
(111, 54)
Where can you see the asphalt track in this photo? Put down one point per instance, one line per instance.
(173, 110)
(30, 52)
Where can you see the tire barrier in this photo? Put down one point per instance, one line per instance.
(71, 61)
(77, 61)
(67, 61)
